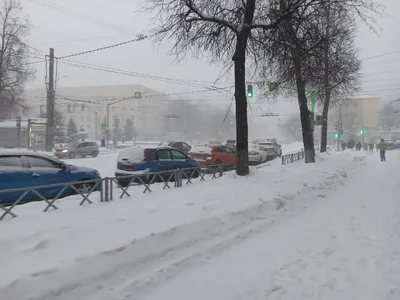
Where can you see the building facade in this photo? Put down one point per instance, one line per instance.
(89, 107)
(362, 113)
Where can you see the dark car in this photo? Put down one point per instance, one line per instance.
(29, 169)
(72, 150)
(138, 161)
(181, 146)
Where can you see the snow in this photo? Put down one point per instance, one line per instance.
(323, 231)
(201, 149)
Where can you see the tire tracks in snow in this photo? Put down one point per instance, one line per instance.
(131, 270)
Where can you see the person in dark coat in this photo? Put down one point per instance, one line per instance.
(343, 146)
(371, 146)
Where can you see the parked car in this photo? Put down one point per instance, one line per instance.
(136, 161)
(29, 169)
(270, 146)
(257, 154)
(181, 146)
(214, 143)
(72, 150)
(214, 155)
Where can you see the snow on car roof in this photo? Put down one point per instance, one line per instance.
(7, 152)
(201, 149)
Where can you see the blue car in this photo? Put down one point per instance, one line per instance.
(137, 161)
(29, 169)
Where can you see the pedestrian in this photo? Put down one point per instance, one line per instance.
(371, 146)
(343, 146)
(382, 146)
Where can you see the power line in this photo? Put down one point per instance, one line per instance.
(139, 38)
(86, 39)
(134, 74)
(380, 55)
(153, 96)
(82, 17)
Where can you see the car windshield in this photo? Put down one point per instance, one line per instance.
(131, 154)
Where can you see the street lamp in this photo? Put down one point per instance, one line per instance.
(137, 95)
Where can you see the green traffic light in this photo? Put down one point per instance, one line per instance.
(336, 136)
(361, 132)
(249, 95)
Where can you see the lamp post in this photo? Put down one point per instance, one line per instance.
(137, 95)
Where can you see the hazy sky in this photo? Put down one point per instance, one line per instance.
(68, 34)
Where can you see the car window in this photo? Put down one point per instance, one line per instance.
(164, 154)
(40, 162)
(92, 144)
(178, 155)
(229, 150)
(186, 145)
(220, 149)
(10, 161)
(176, 145)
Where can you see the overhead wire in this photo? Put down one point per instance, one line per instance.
(137, 39)
(193, 83)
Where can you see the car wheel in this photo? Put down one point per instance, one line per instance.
(84, 187)
(72, 155)
(95, 153)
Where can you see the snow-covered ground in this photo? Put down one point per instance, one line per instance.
(325, 231)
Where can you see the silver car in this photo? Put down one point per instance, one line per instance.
(72, 150)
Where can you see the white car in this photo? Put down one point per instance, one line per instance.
(271, 146)
(256, 154)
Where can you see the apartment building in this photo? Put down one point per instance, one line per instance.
(88, 105)
(358, 113)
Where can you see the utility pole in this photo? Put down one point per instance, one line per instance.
(50, 104)
(340, 127)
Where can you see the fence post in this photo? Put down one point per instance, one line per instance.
(106, 187)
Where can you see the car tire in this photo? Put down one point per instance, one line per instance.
(72, 155)
(95, 153)
(84, 187)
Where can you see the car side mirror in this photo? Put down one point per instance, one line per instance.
(64, 167)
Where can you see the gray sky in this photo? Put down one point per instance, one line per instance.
(53, 28)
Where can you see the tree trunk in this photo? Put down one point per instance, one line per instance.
(324, 129)
(327, 91)
(242, 140)
(305, 114)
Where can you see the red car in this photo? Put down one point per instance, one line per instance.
(214, 155)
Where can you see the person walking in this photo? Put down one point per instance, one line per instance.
(371, 146)
(382, 146)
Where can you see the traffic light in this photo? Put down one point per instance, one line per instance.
(336, 136)
(249, 91)
(361, 132)
(272, 86)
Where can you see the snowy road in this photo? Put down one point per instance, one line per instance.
(348, 247)
(336, 240)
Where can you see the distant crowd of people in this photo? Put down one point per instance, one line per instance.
(371, 147)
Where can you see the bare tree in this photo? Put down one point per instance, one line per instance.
(390, 118)
(226, 30)
(297, 46)
(336, 73)
(14, 72)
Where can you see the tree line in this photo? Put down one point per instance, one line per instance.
(307, 45)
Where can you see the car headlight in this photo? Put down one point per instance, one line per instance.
(65, 150)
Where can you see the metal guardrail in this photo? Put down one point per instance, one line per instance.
(106, 187)
(292, 157)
